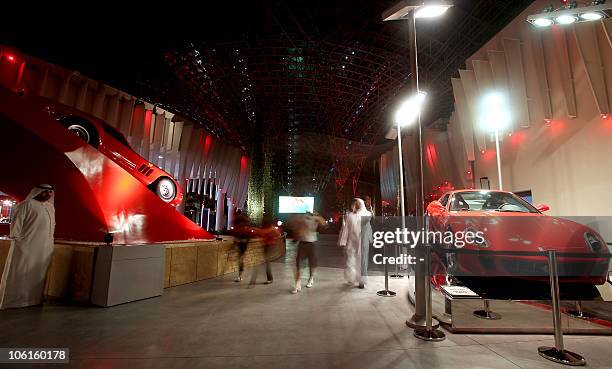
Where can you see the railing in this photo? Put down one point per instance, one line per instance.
(558, 353)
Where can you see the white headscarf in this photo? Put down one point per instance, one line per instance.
(38, 190)
(362, 211)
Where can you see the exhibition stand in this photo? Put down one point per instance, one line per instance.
(87, 273)
(461, 313)
(459, 308)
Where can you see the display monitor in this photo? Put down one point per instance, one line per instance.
(295, 205)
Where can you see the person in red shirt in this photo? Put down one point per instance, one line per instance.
(270, 235)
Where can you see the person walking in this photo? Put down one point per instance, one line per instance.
(355, 236)
(306, 235)
(242, 232)
(32, 229)
(270, 236)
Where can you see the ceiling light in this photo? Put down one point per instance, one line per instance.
(566, 19)
(431, 11)
(591, 16)
(543, 22)
(426, 9)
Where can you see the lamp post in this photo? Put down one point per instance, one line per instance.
(411, 10)
(406, 115)
(495, 117)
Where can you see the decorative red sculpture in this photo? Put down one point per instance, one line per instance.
(95, 196)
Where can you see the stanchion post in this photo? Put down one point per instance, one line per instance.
(397, 274)
(428, 333)
(579, 313)
(486, 313)
(558, 353)
(386, 292)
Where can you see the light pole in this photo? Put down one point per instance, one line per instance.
(411, 10)
(406, 115)
(495, 117)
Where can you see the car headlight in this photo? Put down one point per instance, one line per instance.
(479, 241)
(594, 242)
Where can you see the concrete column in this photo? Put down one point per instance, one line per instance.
(98, 105)
(82, 98)
(149, 120)
(42, 83)
(65, 88)
(220, 210)
(112, 116)
(230, 213)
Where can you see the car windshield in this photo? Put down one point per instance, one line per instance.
(490, 201)
(116, 135)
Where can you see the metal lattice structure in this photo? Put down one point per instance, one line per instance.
(310, 72)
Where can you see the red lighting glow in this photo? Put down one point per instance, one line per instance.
(605, 116)
(10, 57)
(488, 155)
(548, 121)
(431, 155)
(518, 138)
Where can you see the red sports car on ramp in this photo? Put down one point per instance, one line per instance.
(113, 144)
(506, 222)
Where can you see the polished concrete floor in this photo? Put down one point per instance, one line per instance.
(222, 324)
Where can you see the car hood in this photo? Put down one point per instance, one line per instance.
(528, 232)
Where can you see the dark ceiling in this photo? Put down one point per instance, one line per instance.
(292, 69)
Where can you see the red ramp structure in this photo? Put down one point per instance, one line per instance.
(94, 195)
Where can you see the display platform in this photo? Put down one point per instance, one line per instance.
(456, 313)
(73, 266)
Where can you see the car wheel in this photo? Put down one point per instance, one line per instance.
(81, 128)
(165, 189)
(80, 131)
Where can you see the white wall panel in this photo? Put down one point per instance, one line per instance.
(566, 75)
(541, 70)
(586, 39)
(516, 80)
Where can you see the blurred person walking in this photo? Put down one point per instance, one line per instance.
(270, 235)
(305, 233)
(242, 232)
(355, 237)
(32, 229)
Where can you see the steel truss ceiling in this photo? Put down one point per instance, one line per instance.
(334, 70)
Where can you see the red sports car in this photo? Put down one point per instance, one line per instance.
(509, 223)
(110, 142)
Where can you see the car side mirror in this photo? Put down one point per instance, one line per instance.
(542, 208)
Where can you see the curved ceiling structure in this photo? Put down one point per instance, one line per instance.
(289, 69)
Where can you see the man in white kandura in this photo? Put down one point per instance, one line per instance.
(23, 278)
(356, 235)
